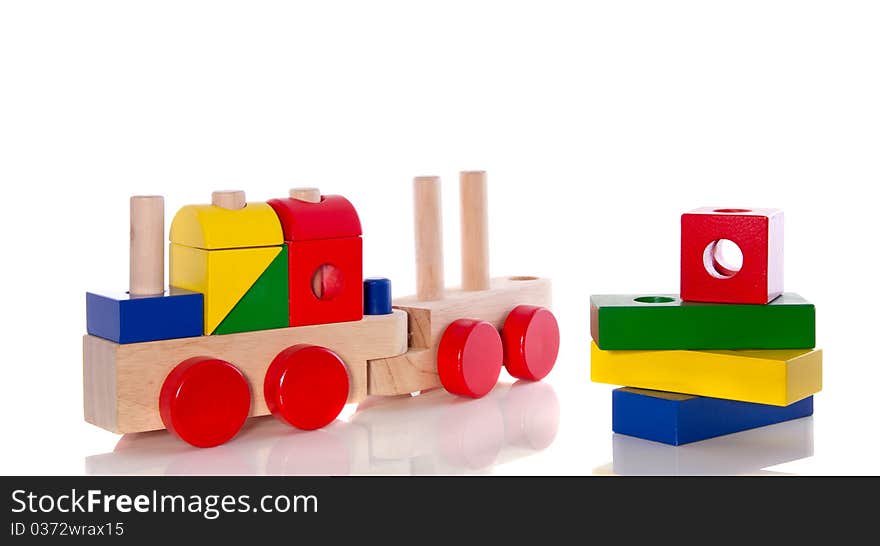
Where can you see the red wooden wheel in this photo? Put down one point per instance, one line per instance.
(306, 386)
(469, 358)
(205, 401)
(531, 342)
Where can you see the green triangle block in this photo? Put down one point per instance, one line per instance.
(265, 304)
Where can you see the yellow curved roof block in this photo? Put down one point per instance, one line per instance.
(210, 227)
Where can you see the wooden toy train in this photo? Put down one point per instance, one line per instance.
(272, 294)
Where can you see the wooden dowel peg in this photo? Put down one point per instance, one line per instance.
(429, 238)
(229, 199)
(309, 195)
(474, 231)
(147, 246)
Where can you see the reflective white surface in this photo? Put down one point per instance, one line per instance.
(433, 433)
(747, 452)
(436, 433)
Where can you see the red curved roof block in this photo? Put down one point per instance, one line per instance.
(332, 218)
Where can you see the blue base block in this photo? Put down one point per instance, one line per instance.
(678, 419)
(126, 319)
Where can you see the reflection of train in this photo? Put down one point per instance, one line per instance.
(423, 435)
(268, 313)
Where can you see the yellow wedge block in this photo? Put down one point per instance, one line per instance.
(775, 377)
(223, 276)
(211, 227)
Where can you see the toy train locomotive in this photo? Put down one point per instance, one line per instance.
(272, 294)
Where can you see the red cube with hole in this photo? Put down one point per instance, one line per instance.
(708, 271)
(326, 259)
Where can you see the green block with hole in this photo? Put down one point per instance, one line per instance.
(665, 322)
(265, 304)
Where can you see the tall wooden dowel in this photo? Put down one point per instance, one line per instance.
(474, 231)
(429, 237)
(147, 248)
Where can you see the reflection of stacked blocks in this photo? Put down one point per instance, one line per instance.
(731, 354)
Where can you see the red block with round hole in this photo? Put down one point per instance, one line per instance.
(709, 275)
(326, 281)
(469, 358)
(306, 386)
(326, 259)
(531, 342)
(205, 401)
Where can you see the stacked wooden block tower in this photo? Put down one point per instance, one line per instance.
(731, 353)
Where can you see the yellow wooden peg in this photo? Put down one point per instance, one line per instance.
(775, 377)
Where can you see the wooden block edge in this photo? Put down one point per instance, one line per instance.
(99, 383)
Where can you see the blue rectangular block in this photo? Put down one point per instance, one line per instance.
(678, 419)
(133, 319)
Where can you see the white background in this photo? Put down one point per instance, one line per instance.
(599, 124)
